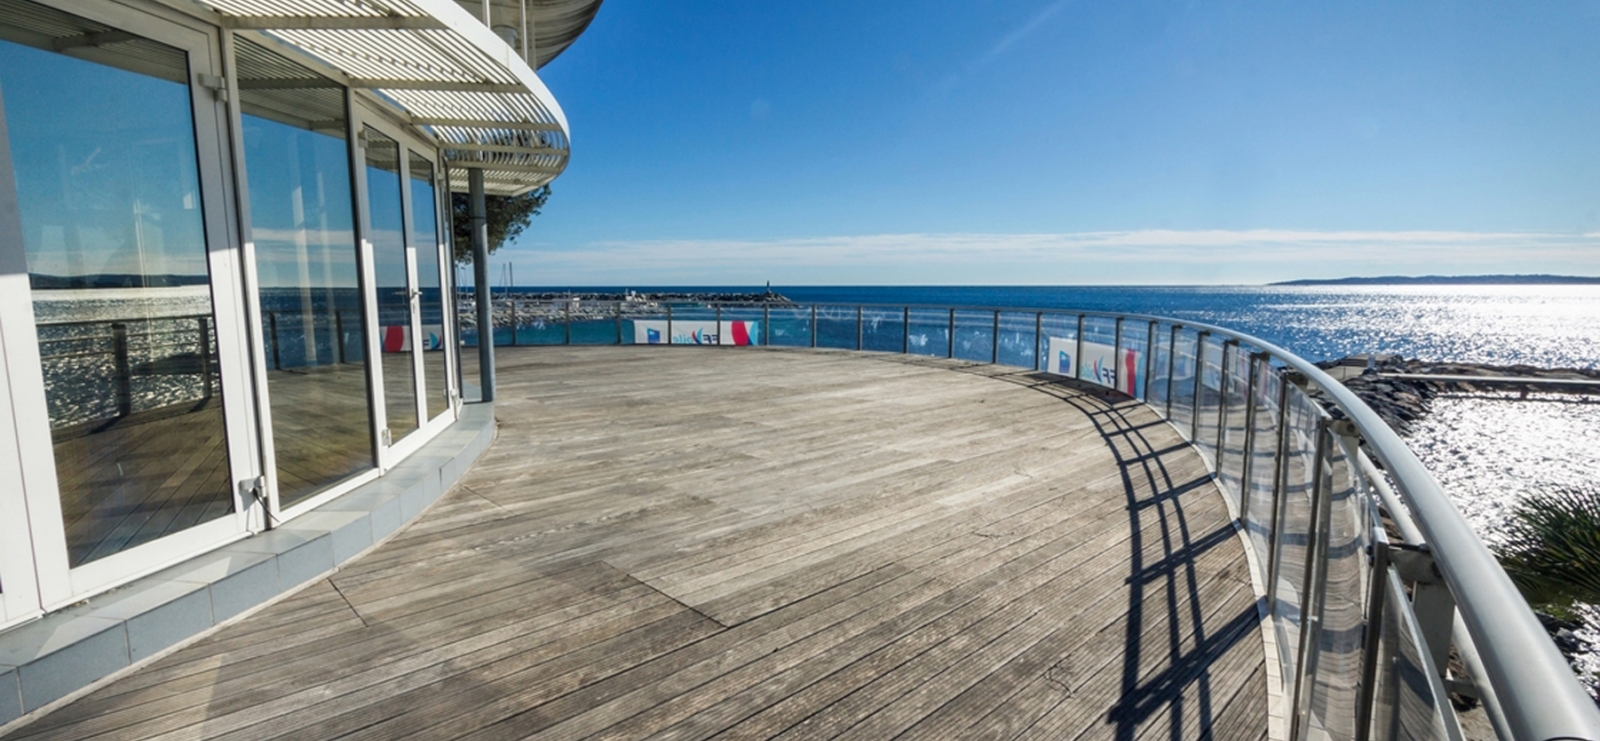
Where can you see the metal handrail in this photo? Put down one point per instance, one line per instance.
(1527, 687)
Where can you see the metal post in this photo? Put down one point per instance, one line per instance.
(766, 325)
(1248, 466)
(1038, 339)
(480, 277)
(568, 311)
(994, 349)
(719, 323)
(205, 355)
(1199, 370)
(1077, 360)
(119, 349)
(272, 330)
(950, 346)
(1222, 400)
(516, 320)
(669, 324)
(1280, 475)
(858, 327)
(1149, 360)
(1116, 361)
(813, 325)
(905, 330)
(619, 322)
(1172, 362)
(338, 335)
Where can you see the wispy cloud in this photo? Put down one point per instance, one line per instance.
(1017, 34)
(1155, 256)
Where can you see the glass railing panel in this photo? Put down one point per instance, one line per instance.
(883, 329)
(836, 327)
(789, 326)
(1059, 343)
(1099, 363)
(974, 338)
(1136, 358)
(1208, 407)
(1292, 533)
(1259, 507)
(1160, 369)
(1235, 408)
(1408, 703)
(1017, 339)
(540, 322)
(594, 323)
(929, 333)
(742, 324)
(1181, 382)
(644, 325)
(1341, 607)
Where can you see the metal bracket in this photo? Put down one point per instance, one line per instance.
(1415, 563)
(385, 438)
(216, 84)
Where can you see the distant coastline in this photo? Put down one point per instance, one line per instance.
(1445, 280)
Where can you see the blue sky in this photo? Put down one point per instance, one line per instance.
(1051, 141)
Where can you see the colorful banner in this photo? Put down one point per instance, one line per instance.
(1099, 363)
(695, 332)
(398, 339)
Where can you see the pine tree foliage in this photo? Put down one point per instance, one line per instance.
(1552, 547)
(508, 216)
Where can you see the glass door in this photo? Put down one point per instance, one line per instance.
(116, 160)
(434, 332)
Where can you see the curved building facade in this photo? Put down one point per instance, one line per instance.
(225, 288)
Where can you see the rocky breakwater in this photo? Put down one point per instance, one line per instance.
(1400, 391)
(524, 308)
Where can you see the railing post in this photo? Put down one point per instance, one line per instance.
(1038, 340)
(1077, 361)
(516, 321)
(1149, 360)
(619, 322)
(858, 327)
(1313, 586)
(338, 335)
(568, 312)
(1247, 468)
(1280, 475)
(1172, 364)
(813, 325)
(994, 337)
(950, 346)
(205, 355)
(766, 324)
(1116, 361)
(905, 330)
(119, 349)
(1222, 400)
(1199, 370)
(719, 323)
(669, 324)
(272, 330)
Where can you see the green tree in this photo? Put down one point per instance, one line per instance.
(508, 216)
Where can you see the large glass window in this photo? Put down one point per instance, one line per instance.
(394, 286)
(103, 147)
(303, 227)
(425, 224)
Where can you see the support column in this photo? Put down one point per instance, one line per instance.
(480, 279)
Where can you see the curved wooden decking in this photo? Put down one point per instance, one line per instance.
(725, 543)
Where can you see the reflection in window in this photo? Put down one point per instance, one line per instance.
(394, 289)
(302, 225)
(425, 225)
(105, 167)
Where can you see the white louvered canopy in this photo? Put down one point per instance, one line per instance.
(442, 67)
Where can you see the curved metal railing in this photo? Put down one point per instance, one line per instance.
(1362, 626)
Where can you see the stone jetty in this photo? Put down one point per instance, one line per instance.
(520, 308)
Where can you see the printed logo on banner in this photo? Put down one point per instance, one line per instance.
(1063, 363)
(1101, 360)
(653, 336)
(694, 332)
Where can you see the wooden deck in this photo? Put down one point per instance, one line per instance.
(699, 543)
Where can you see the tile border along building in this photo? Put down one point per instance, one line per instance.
(226, 342)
